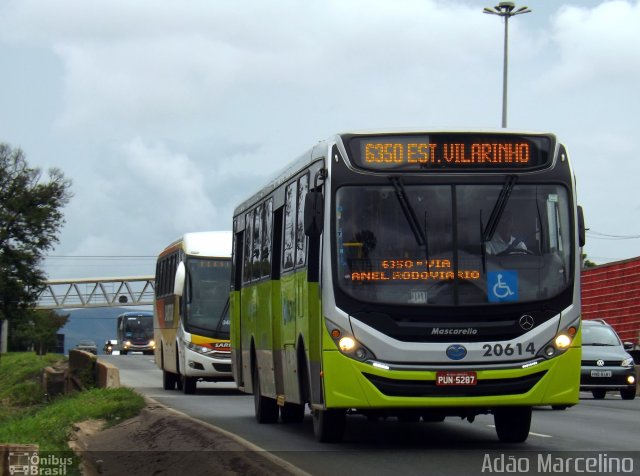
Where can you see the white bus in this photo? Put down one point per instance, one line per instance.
(191, 310)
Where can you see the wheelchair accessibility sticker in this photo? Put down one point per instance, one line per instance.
(502, 286)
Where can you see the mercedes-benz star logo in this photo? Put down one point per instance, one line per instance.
(600, 363)
(526, 322)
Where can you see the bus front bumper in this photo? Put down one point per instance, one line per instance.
(209, 368)
(352, 384)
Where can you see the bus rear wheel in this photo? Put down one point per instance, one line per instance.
(292, 413)
(266, 408)
(329, 425)
(512, 423)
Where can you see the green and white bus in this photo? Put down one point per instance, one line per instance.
(415, 275)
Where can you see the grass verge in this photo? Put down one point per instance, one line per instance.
(27, 417)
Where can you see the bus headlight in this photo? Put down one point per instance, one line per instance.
(352, 348)
(347, 344)
(127, 343)
(563, 341)
(152, 343)
(200, 349)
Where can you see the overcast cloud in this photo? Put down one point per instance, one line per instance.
(167, 114)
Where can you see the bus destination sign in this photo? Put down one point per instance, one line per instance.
(451, 152)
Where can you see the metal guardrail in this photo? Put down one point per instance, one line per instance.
(97, 292)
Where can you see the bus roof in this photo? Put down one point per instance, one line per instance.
(136, 314)
(205, 243)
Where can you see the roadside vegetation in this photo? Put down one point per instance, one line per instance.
(27, 416)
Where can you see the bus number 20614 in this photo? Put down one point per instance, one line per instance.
(498, 350)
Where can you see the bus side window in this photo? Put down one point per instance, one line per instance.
(276, 243)
(248, 232)
(257, 243)
(301, 237)
(288, 253)
(267, 229)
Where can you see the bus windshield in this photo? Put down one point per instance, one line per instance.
(138, 329)
(438, 244)
(207, 295)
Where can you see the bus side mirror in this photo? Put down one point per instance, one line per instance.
(178, 285)
(313, 214)
(582, 239)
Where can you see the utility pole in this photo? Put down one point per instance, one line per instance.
(505, 10)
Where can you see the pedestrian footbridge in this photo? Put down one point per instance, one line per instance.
(97, 292)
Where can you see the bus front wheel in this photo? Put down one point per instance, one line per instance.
(329, 425)
(512, 423)
(168, 380)
(188, 385)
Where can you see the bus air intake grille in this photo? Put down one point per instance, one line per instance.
(222, 367)
(428, 388)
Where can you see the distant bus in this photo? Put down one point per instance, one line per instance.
(135, 333)
(192, 310)
(411, 274)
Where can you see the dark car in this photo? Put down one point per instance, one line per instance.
(606, 365)
(87, 346)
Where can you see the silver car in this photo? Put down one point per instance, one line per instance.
(606, 365)
(88, 346)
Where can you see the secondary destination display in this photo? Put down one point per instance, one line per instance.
(450, 152)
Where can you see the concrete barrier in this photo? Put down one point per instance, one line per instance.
(55, 381)
(107, 375)
(82, 368)
(86, 369)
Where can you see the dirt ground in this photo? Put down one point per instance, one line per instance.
(161, 441)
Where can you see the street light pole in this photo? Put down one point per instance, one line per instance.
(505, 10)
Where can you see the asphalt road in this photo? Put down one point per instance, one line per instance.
(605, 431)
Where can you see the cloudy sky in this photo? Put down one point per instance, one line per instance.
(166, 114)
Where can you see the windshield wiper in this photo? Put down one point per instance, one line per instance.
(408, 211)
(419, 233)
(486, 232)
(498, 208)
(600, 344)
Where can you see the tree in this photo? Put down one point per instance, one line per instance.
(587, 263)
(30, 219)
(36, 330)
